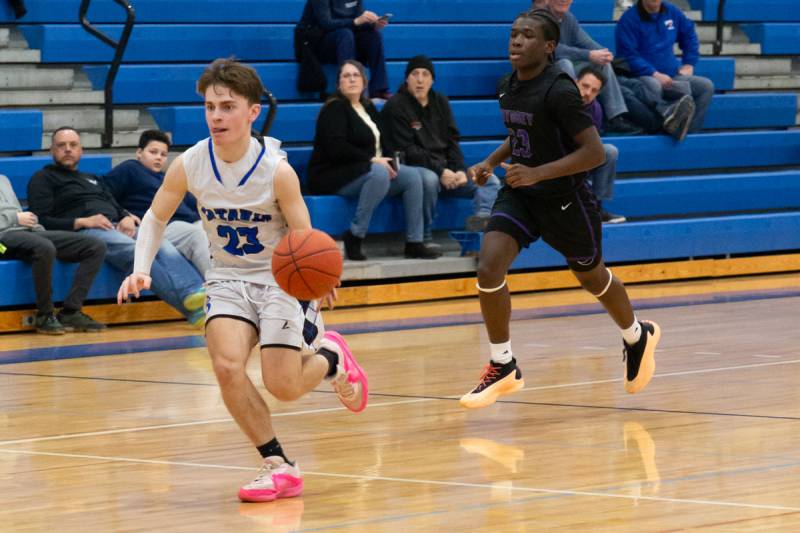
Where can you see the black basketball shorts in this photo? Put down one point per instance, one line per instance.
(570, 224)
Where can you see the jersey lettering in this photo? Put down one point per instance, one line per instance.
(234, 245)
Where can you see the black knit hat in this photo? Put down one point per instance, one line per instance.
(420, 62)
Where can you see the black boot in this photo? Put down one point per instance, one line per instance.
(352, 247)
(418, 250)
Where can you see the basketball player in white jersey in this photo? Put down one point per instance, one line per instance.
(248, 198)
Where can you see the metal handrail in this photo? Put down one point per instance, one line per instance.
(720, 27)
(119, 49)
(273, 109)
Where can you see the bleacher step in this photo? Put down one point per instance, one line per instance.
(87, 120)
(729, 49)
(762, 66)
(708, 33)
(767, 82)
(25, 77)
(45, 97)
(89, 139)
(14, 55)
(395, 266)
(5, 37)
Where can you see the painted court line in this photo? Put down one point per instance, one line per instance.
(196, 423)
(484, 486)
(385, 404)
(664, 375)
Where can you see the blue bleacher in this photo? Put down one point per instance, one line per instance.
(775, 38)
(269, 42)
(697, 216)
(682, 239)
(243, 11)
(750, 10)
(20, 130)
(160, 83)
(480, 118)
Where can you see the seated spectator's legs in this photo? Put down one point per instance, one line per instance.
(482, 197)
(702, 91)
(191, 241)
(408, 183)
(370, 189)
(41, 248)
(369, 49)
(640, 113)
(603, 176)
(430, 194)
(173, 277)
(337, 46)
(610, 96)
(567, 66)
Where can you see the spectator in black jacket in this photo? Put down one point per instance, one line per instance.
(134, 184)
(350, 32)
(419, 123)
(66, 199)
(350, 159)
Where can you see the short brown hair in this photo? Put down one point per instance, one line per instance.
(239, 78)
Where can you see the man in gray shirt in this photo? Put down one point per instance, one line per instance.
(576, 50)
(24, 238)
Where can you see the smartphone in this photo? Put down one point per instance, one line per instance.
(386, 17)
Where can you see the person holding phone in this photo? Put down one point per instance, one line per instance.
(350, 32)
(350, 159)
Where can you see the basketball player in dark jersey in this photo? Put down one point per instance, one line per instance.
(552, 144)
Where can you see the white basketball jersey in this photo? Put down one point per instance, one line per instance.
(236, 202)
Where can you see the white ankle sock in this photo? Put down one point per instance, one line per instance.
(501, 353)
(633, 333)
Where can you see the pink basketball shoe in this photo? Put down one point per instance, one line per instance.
(276, 479)
(350, 381)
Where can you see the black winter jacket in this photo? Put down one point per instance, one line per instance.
(428, 135)
(343, 147)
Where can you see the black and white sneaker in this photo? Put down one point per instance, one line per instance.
(79, 321)
(639, 359)
(496, 380)
(611, 218)
(49, 325)
(679, 117)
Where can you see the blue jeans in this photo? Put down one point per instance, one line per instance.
(610, 96)
(645, 109)
(602, 177)
(363, 43)
(699, 88)
(482, 197)
(371, 188)
(174, 278)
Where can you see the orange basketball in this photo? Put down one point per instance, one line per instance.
(307, 264)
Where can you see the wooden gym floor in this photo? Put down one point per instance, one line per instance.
(125, 430)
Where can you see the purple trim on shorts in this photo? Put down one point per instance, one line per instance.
(515, 221)
(591, 230)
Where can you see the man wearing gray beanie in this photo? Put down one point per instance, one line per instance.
(420, 123)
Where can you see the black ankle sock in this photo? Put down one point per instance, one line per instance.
(271, 449)
(333, 360)
(68, 312)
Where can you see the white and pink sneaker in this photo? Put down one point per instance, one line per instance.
(276, 479)
(350, 381)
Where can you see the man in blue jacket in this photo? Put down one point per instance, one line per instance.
(646, 35)
(350, 32)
